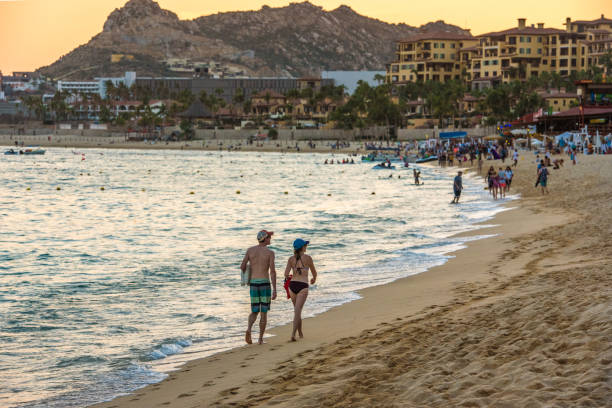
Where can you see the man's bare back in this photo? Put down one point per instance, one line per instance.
(261, 260)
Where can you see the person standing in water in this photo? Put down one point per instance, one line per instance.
(300, 264)
(457, 187)
(262, 271)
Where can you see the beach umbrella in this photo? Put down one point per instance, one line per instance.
(597, 140)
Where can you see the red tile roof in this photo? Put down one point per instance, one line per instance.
(271, 93)
(588, 111)
(593, 22)
(439, 35)
(526, 31)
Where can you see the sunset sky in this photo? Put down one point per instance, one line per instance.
(34, 33)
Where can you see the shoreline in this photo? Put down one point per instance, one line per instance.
(230, 376)
(234, 145)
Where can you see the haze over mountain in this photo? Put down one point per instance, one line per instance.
(296, 40)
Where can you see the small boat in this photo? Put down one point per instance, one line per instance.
(381, 167)
(427, 159)
(32, 150)
(11, 151)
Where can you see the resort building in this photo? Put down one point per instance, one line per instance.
(558, 101)
(526, 51)
(434, 56)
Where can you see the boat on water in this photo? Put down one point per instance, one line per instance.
(426, 159)
(28, 150)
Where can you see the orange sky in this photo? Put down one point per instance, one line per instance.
(34, 33)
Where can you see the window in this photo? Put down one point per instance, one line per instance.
(528, 39)
(441, 45)
(553, 63)
(540, 51)
(435, 45)
(394, 78)
(452, 45)
(403, 77)
(563, 63)
(539, 39)
(564, 102)
(522, 51)
(435, 56)
(486, 62)
(528, 50)
(494, 73)
(486, 73)
(494, 62)
(556, 102)
(441, 56)
(573, 62)
(522, 39)
(573, 50)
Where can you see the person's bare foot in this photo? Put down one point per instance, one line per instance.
(261, 341)
(293, 339)
(247, 337)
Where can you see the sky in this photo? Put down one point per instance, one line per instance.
(35, 33)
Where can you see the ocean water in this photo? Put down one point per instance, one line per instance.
(113, 273)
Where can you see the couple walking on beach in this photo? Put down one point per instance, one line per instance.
(262, 282)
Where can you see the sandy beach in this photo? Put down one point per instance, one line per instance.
(521, 319)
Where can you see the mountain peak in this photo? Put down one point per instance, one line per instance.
(137, 9)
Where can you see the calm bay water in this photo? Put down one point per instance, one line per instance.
(103, 291)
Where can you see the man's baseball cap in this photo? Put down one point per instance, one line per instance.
(299, 243)
(263, 234)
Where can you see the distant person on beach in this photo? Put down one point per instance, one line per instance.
(457, 187)
(260, 259)
(417, 175)
(515, 156)
(300, 264)
(543, 179)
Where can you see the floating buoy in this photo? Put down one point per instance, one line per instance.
(142, 189)
(237, 191)
(191, 192)
(28, 188)
(373, 193)
(329, 195)
(88, 174)
(58, 188)
(241, 176)
(81, 174)
(102, 188)
(286, 192)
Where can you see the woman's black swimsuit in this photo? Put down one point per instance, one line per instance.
(296, 286)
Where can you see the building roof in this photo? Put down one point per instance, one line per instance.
(588, 111)
(270, 92)
(526, 31)
(438, 35)
(196, 110)
(471, 98)
(549, 95)
(598, 31)
(472, 48)
(593, 22)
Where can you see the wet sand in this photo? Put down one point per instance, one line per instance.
(522, 319)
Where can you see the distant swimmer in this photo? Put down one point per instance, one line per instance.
(300, 264)
(260, 259)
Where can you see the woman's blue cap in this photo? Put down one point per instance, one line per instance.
(299, 243)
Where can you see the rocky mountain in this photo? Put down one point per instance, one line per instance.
(296, 40)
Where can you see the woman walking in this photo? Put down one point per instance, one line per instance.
(300, 264)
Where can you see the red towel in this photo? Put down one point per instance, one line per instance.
(286, 285)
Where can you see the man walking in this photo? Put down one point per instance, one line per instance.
(260, 260)
(457, 187)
